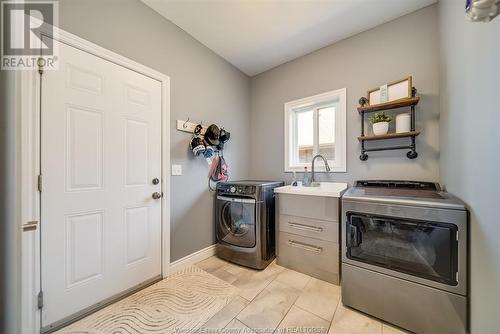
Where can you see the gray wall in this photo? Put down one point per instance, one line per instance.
(203, 87)
(470, 160)
(406, 46)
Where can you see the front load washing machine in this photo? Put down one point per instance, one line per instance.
(245, 222)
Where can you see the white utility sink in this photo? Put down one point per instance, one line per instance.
(325, 189)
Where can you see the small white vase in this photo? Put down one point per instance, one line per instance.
(380, 128)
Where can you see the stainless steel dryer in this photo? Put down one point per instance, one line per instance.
(404, 255)
(244, 222)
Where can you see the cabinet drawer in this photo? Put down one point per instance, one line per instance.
(316, 207)
(314, 257)
(308, 227)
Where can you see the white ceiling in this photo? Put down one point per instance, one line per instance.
(256, 35)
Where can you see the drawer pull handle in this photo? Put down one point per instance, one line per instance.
(305, 246)
(305, 227)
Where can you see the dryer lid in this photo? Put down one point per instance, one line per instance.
(414, 193)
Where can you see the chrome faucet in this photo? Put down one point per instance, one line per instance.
(327, 167)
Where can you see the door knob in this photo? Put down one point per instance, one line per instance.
(157, 195)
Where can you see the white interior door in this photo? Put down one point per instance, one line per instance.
(100, 151)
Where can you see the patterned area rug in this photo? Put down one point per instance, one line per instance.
(180, 303)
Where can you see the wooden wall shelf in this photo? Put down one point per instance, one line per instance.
(408, 102)
(390, 136)
(405, 102)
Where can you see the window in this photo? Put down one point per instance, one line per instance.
(316, 125)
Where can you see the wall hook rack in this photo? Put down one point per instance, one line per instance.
(187, 126)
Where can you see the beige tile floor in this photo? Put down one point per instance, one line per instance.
(279, 300)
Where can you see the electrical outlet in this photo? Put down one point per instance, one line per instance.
(176, 169)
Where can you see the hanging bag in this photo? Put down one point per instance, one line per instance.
(218, 172)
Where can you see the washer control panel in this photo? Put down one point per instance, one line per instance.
(236, 189)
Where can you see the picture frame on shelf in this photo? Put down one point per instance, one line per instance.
(396, 90)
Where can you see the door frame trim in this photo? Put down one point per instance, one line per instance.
(27, 87)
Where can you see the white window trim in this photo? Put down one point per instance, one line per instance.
(340, 163)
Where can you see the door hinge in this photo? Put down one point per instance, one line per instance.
(40, 299)
(456, 276)
(457, 235)
(40, 61)
(40, 183)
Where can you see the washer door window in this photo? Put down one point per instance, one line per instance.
(236, 225)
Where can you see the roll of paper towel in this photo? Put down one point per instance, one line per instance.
(402, 123)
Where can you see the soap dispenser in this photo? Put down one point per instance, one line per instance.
(294, 180)
(306, 180)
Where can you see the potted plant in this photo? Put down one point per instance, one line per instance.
(380, 123)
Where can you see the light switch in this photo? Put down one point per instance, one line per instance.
(176, 169)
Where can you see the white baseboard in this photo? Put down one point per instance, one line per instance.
(191, 259)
